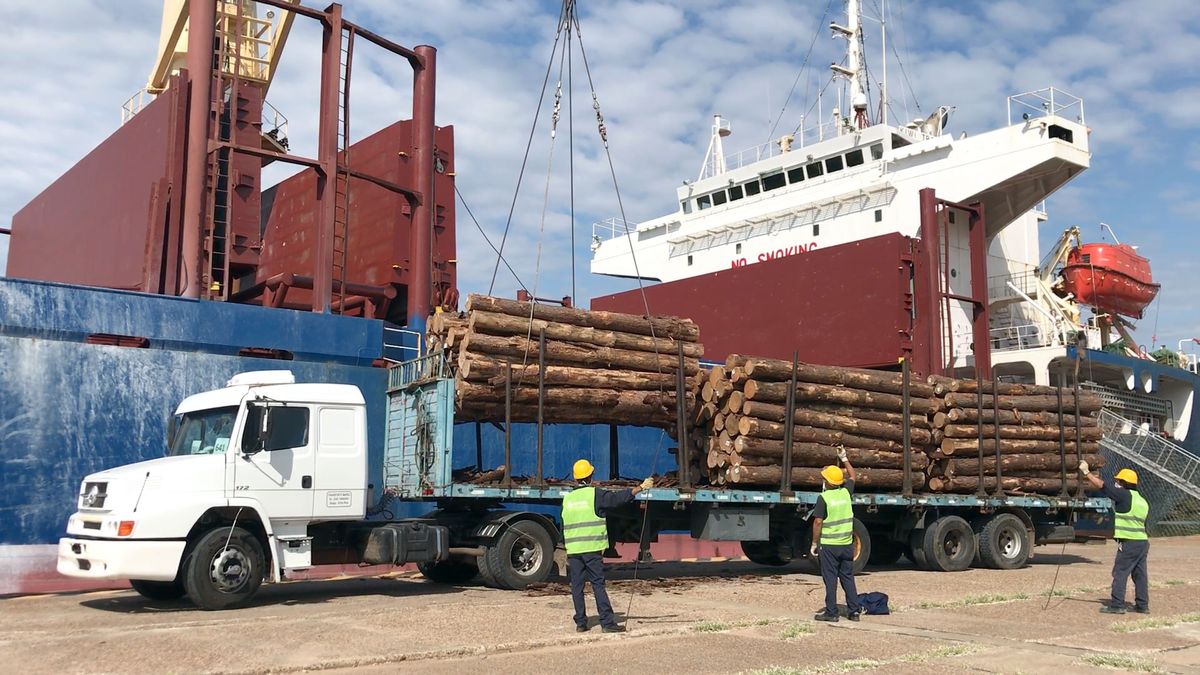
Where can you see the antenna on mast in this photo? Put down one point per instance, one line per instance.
(714, 159)
(854, 61)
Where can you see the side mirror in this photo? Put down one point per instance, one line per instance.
(254, 436)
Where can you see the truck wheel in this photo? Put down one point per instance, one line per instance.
(766, 553)
(1004, 542)
(862, 546)
(916, 549)
(224, 569)
(158, 590)
(949, 544)
(449, 571)
(521, 555)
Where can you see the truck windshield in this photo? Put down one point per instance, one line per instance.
(204, 432)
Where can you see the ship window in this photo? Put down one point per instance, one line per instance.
(877, 151)
(879, 215)
(687, 205)
(795, 175)
(950, 216)
(735, 193)
(816, 229)
(854, 158)
(737, 249)
(1087, 258)
(773, 182)
(815, 170)
(834, 164)
(703, 202)
(689, 261)
(719, 198)
(752, 188)
(1061, 133)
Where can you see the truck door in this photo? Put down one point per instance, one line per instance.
(341, 464)
(276, 465)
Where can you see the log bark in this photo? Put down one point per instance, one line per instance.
(1019, 465)
(806, 434)
(1015, 431)
(1011, 446)
(950, 384)
(811, 477)
(491, 476)
(1048, 418)
(504, 324)
(1030, 485)
(915, 421)
(776, 392)
(658, 326)
(775, 370)
(716, 374)
(558, 396)
(815, 454)
(565, 353)
(490, 411)
(849, 424)
(1088, 403)
(479, 368)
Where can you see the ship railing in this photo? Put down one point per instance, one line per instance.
(1025, 336)
(431, 366)
(274, 124)
(134, 104)
(1043, 102)
(1167, 461)
(610, 228)
(1026, 282)
(402, 344)
(801, 138)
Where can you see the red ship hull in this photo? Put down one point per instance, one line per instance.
(1110, 277)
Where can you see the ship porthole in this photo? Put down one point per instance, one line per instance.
(953, 273)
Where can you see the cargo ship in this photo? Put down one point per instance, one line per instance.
(160, 265)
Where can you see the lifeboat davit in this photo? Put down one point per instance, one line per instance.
(1110, 277)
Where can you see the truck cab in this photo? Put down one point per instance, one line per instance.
(249, 469)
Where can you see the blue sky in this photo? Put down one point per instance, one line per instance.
(661, 69)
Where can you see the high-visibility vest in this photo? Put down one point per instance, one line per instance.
(583, 530)
(838, 527)
(1131, 525)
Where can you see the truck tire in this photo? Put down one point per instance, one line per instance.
(158, 590)
(766, 553)
(1004, 542)
(862, 546)
(224, 569)
(449, 571)
(949, 544)
(522, 554)
(916, 548)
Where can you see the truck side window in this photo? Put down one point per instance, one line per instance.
(288, 427)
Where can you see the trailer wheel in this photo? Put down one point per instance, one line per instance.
(224, 569)
(449, 571)
(916, 549)
(862, 546)
(949, 544)
(485, 572)
(158, 590)
(1004, 542)
(521, 555)
(766, 553)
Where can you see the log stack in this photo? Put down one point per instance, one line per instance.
(600, 367)
(1021, 430)
(859, 410)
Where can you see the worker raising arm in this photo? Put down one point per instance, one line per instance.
(1133, 544)
(833, 538)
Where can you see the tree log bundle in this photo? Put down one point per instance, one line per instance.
(968, 484)
(770, 476)
(1023, 465)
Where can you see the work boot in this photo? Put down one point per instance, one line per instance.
(853, 616)
(1142, 610)
(582, 629)
(615, 628)
(823, 616)
(1110, 609)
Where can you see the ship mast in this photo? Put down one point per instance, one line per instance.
(854, 71)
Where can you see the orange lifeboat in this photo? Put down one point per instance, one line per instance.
(1110, 277)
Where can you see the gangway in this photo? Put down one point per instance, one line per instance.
(1169, 476)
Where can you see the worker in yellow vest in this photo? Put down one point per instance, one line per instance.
(1133, 544)
(585, 533)
(833, 538)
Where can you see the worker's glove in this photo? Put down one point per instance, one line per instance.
(813, 551)
(648, 483)
(842, 456)
(1083, 467)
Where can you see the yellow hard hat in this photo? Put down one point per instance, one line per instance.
(582, 469)
(1127, 475)
(832, 475)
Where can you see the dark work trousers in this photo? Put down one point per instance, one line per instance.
(589, 567)
(1131, 560)
(837, 564)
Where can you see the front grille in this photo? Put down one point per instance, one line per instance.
(93, 496)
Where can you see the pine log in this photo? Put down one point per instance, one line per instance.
(1016, 431)
(815, 454)
(807, 434)
(565, 353)
(1017, 465)
(811, 477)
(967, 484)
(491, 411)
(774, 370)
(491, 476)
(1011, 446)
(658, 326)
(708, 393)
(1088, 403)
(505, 324)
(718, 422)
(716, 374)
(853, 425)
(776, 413)
(735, 361)
(737, 375)
(753, 460)
(479, 368)
(969, 386)
(776, 392)
(557, 396)
(1047, 418)
(735, 401)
